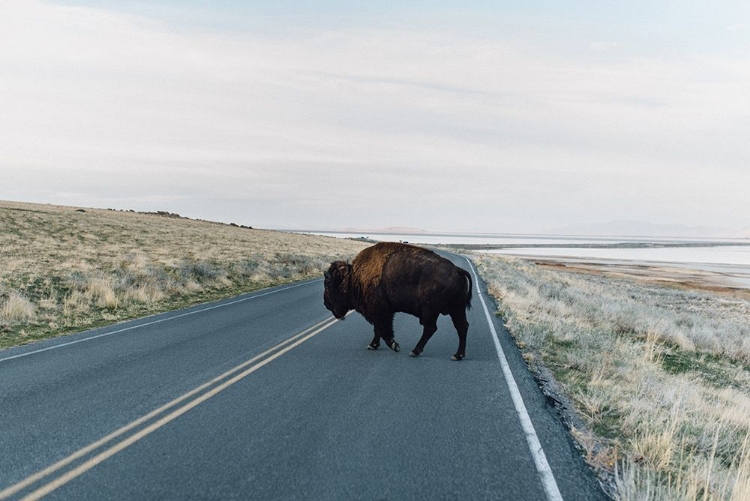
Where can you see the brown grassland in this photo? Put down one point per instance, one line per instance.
(658, 375)
(64, 269)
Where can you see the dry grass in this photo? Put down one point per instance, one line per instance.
(17, 309)
(660, 376)
(64, 270)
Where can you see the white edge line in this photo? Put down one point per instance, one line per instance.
(537, 453)
(21, 355)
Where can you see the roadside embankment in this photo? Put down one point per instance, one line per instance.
(658, 375)
(64, 269)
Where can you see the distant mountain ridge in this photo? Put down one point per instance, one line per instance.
(642, 229)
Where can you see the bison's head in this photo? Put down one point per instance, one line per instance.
(336, 293)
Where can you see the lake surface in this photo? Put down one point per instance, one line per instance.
(735, 255)
(435, 239)
(739, 256)
(504, 239)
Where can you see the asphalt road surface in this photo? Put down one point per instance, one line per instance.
(266, 396)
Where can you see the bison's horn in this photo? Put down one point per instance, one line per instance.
(327, 275)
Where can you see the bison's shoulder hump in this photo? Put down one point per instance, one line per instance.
(368, 266)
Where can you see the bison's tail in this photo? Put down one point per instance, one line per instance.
(471, 286)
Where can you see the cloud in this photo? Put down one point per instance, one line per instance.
(350, 127)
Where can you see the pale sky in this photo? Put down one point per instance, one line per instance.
(442, 115)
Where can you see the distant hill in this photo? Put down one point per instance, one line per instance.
(642, 229)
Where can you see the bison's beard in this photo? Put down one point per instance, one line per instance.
(338, 310)
(339, 313)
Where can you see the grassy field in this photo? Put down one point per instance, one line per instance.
(659, 376)
(64, 269)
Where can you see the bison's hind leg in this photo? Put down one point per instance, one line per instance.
(462, 327)
(430, 326)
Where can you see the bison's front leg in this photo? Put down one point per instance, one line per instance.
(384, 330)
(392, 344)
(375, 343)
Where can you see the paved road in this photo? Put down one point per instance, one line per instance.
(265, 396)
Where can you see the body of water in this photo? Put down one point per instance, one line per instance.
(692, 256)
(726, 255)
(504, 239)
(436, 239)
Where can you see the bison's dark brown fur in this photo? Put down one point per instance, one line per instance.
(392, 277)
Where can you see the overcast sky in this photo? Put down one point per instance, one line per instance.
(442, 115)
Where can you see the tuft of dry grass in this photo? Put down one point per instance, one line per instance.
(660, 376)
(100, 292)
(17, 310)
(64, 270)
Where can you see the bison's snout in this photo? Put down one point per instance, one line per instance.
(337, 312)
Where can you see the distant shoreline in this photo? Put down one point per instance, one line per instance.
(727, 279)
(642, 239)
(618, 245)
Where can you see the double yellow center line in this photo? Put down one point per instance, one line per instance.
(214, 387)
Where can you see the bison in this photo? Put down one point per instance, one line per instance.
(393, 277)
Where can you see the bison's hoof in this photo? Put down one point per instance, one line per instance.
(457, 356)
(413, 353)
(394, 346)
(372, 346)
